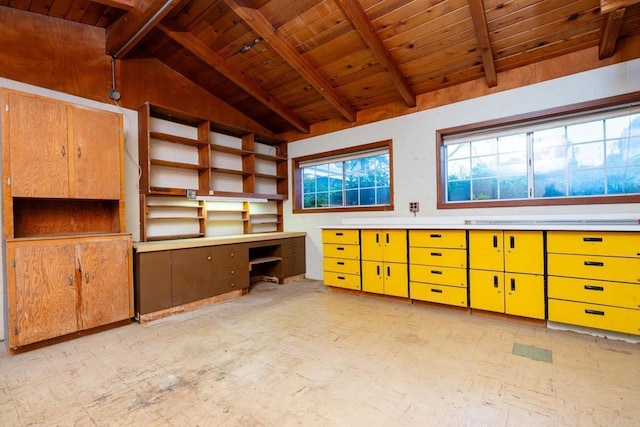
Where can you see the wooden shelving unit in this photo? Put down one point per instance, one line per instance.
(182, 157)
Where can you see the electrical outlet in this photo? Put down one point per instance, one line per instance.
(191, 194)
(414, 207)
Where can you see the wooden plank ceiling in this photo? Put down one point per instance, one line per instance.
(290, 64)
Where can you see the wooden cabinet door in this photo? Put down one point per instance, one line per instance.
(524, 252)
(37, 138)
(95, 151)
(42, 294)
(191, 275)
(152, 281)
(105, 285)
(486, 250)
(293, 256)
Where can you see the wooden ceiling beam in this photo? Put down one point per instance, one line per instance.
(127, 31)
(607, 6)
(118, 4)
(479, 19)
(610, 32)
(359, 19)
(261, 25)
(202, 51)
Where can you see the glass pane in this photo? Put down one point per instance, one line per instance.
(617, 152)
(335, 183)
(587, 155)
(513, 187)
(513, 143)
(485, 189)
(309, 201)
(335, 198)
(554, 137)
(458, 151)
(322, 200)
(550, 184)
(309, 180)
(622, 127)
(458, 169)
(591, 131)
(382, 196)
(484, 147)
(484, 166)
(382, 178)
(623, 180)
(587, 182)
(458, 191)
(352, 198)
(549, 158)
(512, 163)
(367, 196)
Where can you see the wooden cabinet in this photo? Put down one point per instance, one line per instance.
(62, 285)
(506, 272)
(293, 256)
(594, 279)
(62, 151)
(384, 262)
(438, 266)
(68, 261)
(341, 258)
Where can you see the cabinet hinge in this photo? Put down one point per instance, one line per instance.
(15, 330)
(9, 181)
(6, 107)
(13, 263)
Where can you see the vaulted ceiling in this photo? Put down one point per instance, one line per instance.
(289, 64)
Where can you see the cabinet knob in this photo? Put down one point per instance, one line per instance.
(232, 271)
(208, 258)
(233, 285)
(231, 254)
(86, 277)
(70, 280)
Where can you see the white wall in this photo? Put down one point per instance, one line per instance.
(414, 149)
(130, 120)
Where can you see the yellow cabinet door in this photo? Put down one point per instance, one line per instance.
(342, 237)
(342, 280)
(396, 280)
(439, 294)
(594, 267)
(453, 239)
(486, 250)
(524, 252)
(384, 245)
(595, 316)
(438, 257)
(373, 277)
(613, 243)
(524, 295)
(486, 290)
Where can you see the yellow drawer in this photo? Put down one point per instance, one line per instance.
(337, 265)
(438, 275)
(333, 250)
(625, 244)
(439, 257)
(340, 280)
(594, 267)
(454, 239)
(346, 237)
(594, 291)
(595, 316)
(437, 293)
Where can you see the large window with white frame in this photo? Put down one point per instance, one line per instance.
(559, 157)
(356, 178)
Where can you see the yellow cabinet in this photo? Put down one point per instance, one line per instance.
(438, 266)
(387, 245)
(506, 272)
(341, 258)
(386, 278)
(594, 279)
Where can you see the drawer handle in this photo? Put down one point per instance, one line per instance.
(378, 270)
(594, 288)
(512, 242)
(388, 271)
(592, 239)
(436, 253)
(436, 272)
(495, 281)
(387, 235)
(377, 238)
(340, 278)
(495, 241)
(435, 236)
(594, 312)
(340, 263)
(339, 234)
(339, 249)
(436, 291)
(513, 284)
(594, 264)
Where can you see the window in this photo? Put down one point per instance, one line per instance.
(358, 178)
(590, 157)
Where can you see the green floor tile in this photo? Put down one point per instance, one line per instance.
(532, 352)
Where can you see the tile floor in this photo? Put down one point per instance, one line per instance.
(297, 354)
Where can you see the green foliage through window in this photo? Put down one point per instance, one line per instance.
(595, 156)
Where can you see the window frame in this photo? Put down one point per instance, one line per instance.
(522, 120)
(297, 184)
